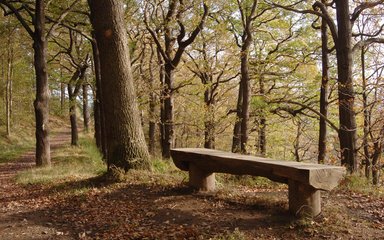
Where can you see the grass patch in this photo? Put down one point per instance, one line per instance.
(163, 173)
(361, 184)
(69, 163)
(12, 147)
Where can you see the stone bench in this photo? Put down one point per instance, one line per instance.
(305, 180)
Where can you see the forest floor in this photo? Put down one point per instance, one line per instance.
(94, 208)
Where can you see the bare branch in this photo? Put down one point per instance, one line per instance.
(367, 42)
(359, 9)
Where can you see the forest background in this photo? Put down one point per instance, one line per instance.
(243, 76)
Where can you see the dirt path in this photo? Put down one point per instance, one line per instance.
(17, 202)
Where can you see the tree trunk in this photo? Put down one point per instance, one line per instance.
(296, 143)
(262, 134)
(236, 140)
(209, 123)
(323, 93)
(347, 121)
(43, 155)
(162, 111)
(167, 115)
(126, 144)
(62, 96)
(100, 134)
(376, 161)
(367, 161)
(246, 91)
(62, 92)
(85, 107)
(152, 107)
(72, 116)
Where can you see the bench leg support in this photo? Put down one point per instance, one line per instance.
(200, 179)
(304, 200)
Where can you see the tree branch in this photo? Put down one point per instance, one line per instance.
(359, 9)
(19, 17)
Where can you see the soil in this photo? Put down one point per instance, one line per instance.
(96, 209)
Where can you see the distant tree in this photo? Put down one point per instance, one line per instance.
(248, 14)
(126, 147)
(341, 32)
(171, 44)
(43, 155)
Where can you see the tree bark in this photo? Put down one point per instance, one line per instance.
(152, 107)
(347, 131)
(376, 159)
(72, 116)
(367, 161)
(236, 140)
(76, 79)
(85, 107)
(323, 93)
(100, 134)
(209, 122)
(41, 103)
(296, 143)
(62, 96)
(246, 92)
(262, 129)
(244, 89)
(167, 115)
(126, 144)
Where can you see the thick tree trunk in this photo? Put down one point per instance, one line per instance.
(323, 93)
(347, 121)
(126, 144)
(100, 134)
(85, 107)
(246, 91)
(43, 154)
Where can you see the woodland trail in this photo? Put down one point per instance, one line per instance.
(18, 204)
(137, 209)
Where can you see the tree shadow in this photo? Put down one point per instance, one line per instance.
(108, 210)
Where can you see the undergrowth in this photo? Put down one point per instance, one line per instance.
(361, 184)
(69, 163)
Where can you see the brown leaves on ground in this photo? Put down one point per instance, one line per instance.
(96, 209)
